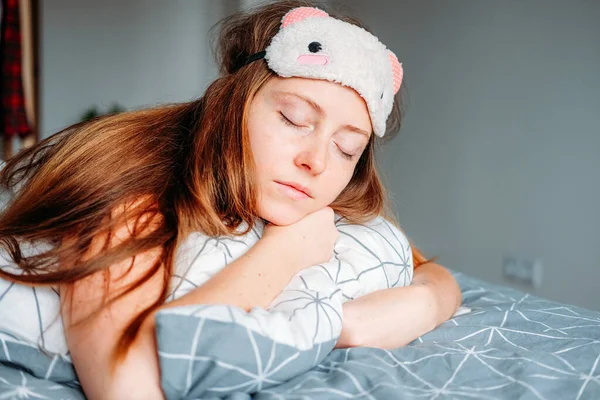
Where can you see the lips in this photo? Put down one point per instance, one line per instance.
(296, 187)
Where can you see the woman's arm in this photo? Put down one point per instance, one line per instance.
(253, 280)
(394, 317)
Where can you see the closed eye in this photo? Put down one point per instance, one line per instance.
(347, 156)
(287, 121)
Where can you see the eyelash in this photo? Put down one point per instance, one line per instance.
(291, 124)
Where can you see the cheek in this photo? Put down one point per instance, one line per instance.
(263, 145)
(272, 150)
(335, 183)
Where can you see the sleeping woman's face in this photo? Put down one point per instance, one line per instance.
(306, 136)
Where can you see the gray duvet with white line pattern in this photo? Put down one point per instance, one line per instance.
(511, 346)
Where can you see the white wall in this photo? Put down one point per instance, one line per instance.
(135, 52)
(500, 151)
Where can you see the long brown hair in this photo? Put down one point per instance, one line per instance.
(188, 163)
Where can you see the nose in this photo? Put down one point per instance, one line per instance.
(313, 156)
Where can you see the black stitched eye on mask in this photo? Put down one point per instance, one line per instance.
(314, 47)
(382, 95)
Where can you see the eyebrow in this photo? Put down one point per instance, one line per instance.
(321, 111)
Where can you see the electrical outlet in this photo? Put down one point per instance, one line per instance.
(520, 270)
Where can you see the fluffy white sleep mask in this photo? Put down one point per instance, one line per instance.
(311, 44)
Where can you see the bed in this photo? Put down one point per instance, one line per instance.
(510, 346)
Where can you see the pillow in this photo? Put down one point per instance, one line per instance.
(216, 350)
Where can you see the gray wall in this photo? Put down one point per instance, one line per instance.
(500, 150)
(136, 52)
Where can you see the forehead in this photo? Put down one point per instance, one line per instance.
(311, 86)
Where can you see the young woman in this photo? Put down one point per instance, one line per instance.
(103, 206)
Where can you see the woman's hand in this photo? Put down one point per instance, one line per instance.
(394, 317)
(309, 241)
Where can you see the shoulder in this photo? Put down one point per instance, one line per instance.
(377, 230)
(200, 250)
(199, 242)
(378, 236)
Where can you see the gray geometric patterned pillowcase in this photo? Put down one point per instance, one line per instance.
(215, 350)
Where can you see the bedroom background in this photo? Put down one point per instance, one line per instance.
(498, 157)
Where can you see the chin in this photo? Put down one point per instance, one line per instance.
(280, 213)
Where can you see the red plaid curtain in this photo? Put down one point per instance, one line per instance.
(13, 117)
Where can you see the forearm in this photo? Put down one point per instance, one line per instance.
(395, 317)
(375, 320)
(253, 280)
(443, 287)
